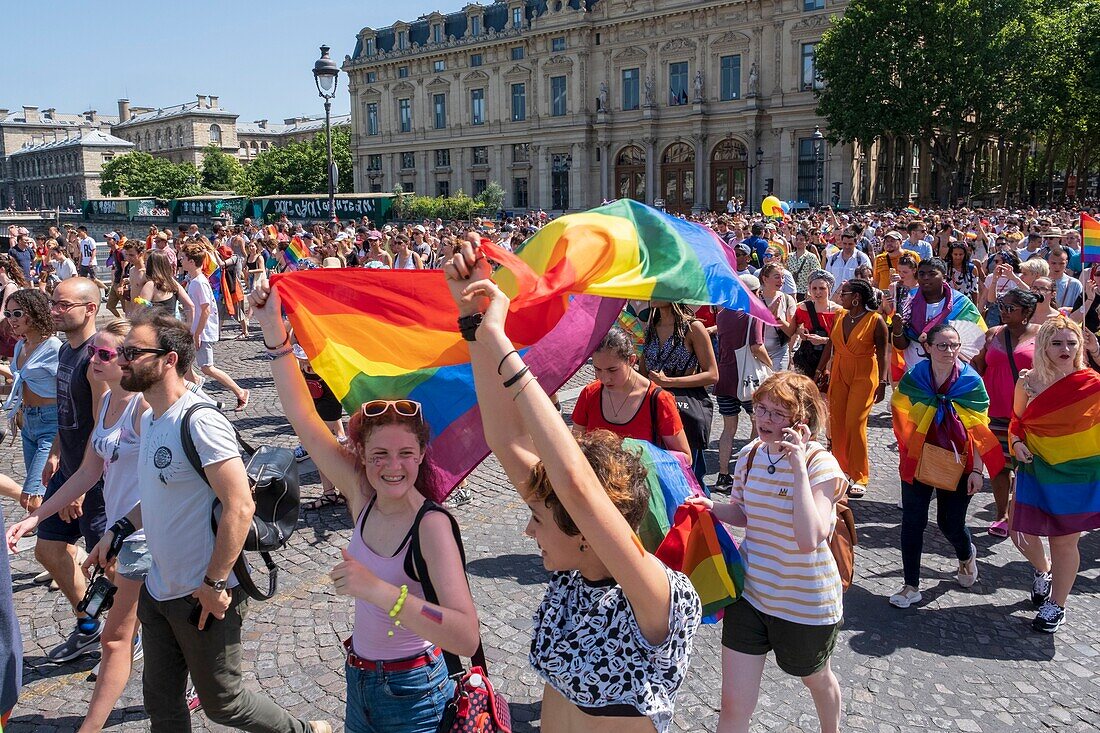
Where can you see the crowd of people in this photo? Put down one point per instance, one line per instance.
(982, 325)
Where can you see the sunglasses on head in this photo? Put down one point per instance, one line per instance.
(103, 354)
(377, 408)
(16, 313)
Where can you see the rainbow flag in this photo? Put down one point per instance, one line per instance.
(272, 231)
(964, 316)
(296, 251)
(1058, 493)
(912, 210)
(701, 547)
(1090, 239)
(670, 482)
(915, 406)
(392, 334)
(634, 327)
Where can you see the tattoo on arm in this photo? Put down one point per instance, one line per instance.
(432, 614)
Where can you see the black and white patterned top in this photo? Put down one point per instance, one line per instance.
(587, 645)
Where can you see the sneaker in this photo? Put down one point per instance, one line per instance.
(300, 453)
(193, 701)
(1049, 618)
(1040, 588)
(460, 496)
(968, 571)
(139, 651)
(77, 645)
(42, 578)
(723, 483)
(906, 596)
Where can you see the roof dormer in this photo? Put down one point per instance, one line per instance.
(475, 20)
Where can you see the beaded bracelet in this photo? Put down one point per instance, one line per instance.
(397, 606)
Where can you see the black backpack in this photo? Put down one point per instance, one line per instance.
(273, 478)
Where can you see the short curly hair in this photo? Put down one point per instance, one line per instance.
(619, 470)
(37, 306)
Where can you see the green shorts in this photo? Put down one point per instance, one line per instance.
(800, 649)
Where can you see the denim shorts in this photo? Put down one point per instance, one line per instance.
(39, 430)
(90, 525)
(397, 702)
(134, 560)
(204, 354)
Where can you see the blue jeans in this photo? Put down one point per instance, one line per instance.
(39, 429)
(397, 702)
(950, 516)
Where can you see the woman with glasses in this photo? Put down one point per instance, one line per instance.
(11, 279)
(940, 407)
(111, 455)
(1008, 350)
(32, 404)
(613, 633)
(784, 494)
(397, 680)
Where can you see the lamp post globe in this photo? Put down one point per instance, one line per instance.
(325, 74)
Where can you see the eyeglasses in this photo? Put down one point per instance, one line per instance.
(64, 305)
(1005, 308)
(945, 346)
(104, 355)
(761, 411)
(377, 408)
(17, 313)
(129, 353)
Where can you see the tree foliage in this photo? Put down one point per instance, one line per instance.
(221, 172)
(458, 206)
(141, 174)
(302, 167)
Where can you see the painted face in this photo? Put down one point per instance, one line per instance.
(1063, 348)
(771, 418)
(559, 551)
(105, 366)
(392, 456)
(611, 370)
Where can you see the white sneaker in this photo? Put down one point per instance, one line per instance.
(968, 571)
(906, 596)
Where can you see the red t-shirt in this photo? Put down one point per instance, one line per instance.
(802, 318)
(588, 413)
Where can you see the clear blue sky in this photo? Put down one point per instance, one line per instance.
(257, 57)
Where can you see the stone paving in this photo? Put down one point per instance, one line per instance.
(964, 660)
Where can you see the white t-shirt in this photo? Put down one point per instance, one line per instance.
(175, 500)
(198, 289)
(66, 268)
(844, 270)
(87, 252)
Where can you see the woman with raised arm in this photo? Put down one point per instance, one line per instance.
(587, 497)
(397, 680)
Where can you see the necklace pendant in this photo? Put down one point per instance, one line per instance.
(771, 469)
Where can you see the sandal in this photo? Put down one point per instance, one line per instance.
(242, 402)
(325, 500)
(999, 528)
(856, 491)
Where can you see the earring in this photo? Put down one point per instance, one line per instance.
(583, 547)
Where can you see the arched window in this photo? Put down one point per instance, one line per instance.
(160, 143)
(630, 173)
(216, 134)
(168, 138)
(728, 168)
(179, 135)
(678, 153)
(678, 177)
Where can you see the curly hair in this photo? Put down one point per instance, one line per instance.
(796, 393)
(12, 269)
(361, 426)
(619, 470)
(37, 306)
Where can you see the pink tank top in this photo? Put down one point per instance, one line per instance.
(370, 638)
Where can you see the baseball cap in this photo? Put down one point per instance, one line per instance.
(420, 228)
(374, 234)
(892, 234)
(112, 235)
(742, 248)
(331, 262)
(306, 235)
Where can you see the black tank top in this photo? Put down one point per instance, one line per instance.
(75, 418)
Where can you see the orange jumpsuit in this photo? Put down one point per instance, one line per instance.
(852, 384)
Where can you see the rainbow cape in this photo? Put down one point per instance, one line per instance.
(915, 406)
(670, 482)
(394, 334)
(1058, 493)
(701, 547)
(913, 210)
(963, 315)
(1090, 239)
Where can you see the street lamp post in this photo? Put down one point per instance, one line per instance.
(752, 168)
(325, 74)
(819, 145)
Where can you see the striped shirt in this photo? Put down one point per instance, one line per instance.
(780, 579)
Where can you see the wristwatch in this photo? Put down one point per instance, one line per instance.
(216, 584)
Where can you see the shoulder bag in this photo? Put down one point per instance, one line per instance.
(807, 356)
(750, 372)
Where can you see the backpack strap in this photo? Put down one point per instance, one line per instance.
(240, 567)
(814, 321)
(420, 566)
(653, 414)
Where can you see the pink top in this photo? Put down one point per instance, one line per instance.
(998, 372)
(370, 638)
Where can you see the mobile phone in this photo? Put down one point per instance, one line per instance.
(196, 614)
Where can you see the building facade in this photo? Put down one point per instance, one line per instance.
(61, 173)
(181, 132)
(684, 103)
(256, 137)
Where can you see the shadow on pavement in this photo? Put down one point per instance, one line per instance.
(31, 723)
(524, 715)
(524, 569)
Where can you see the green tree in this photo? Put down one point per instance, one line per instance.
(301, 167)
(491, 200)
(221, 172)
(141, 174)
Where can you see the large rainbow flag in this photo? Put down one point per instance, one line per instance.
(670, 482)
(392, 334)
(1090, 239)
(916, 407)
(1058, 493)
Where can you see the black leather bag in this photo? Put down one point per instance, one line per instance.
(273, 478)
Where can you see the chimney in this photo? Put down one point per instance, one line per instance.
(124, 110)
(30, 114)
(49, 113)
(262, 124)
(213, 102)
(91, 116)
(4, 112)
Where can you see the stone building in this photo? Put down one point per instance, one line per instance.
(180, 132)
(256, 137)
(569, 103)
(60, 173)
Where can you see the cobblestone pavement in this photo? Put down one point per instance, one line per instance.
(964, 660)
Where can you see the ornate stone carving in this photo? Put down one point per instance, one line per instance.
(732, 38)
(678, 44)
(698, 86)
(754, 81)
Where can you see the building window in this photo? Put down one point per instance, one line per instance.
(517, 53)
(372, 77)
(408, 160)
(630, 88)
(159, 145)
(807, 171)
(374, 162)
(521, 152)
(557, 44)
(517, 17)
(479, 186)
(370, 46)
(402, 72)
(810, 79)
(557, 96)
(402, 40)
(437, 33)
(215, 135)
(443, 158)
(439, 105)
(678, 83)
(179, 134)
(405, 109)
(914, 179)
(813, 4)
(475, 59)
(559, 181)
(475, 26)
(731, 78)
(443, 189)
(477, 106)
(480, 155)
(519, 193)
(519, 102)
(439, 65)
(372, 118)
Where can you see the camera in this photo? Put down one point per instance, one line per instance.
(99, 597)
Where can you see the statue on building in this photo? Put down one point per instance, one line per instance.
(650, 87)
(601, 101)
(754, 80)
(698, 84)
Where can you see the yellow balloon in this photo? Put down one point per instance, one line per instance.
(771, 206)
